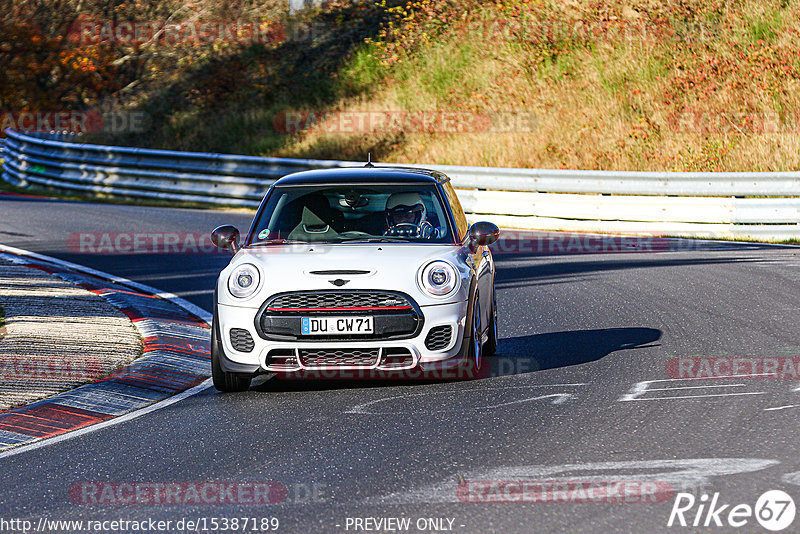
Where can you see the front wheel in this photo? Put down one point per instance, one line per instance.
(223, 380)
(475, 352)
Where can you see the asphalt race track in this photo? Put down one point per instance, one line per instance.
(586, 390)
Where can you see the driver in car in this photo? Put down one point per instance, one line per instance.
(406, 216)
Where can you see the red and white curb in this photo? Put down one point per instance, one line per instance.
(174, 365)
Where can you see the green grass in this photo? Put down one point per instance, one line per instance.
(588, 89)
(765, 27)
(362, 73)
(448, 68)
(651, 69)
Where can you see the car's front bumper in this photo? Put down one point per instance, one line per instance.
(261, 357)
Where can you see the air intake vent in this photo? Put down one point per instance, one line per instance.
(335, 357)
(282, 360)
(439, 337)
(396, 357)
(241, 340)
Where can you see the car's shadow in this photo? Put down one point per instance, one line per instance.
(572, 347)
(516, 355)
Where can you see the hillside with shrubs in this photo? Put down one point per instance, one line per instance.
(690, 85)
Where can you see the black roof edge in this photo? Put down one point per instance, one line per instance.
(360, 174)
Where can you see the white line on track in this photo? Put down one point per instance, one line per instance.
(186, 305)
(697, 387)
(642, 388)
(698, 396)
(558, 398)
(111, 422)
(781, 407)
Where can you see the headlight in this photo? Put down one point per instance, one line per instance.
(243, 281)
(439, 278)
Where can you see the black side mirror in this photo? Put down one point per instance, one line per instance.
(226, 237)
(483, 233)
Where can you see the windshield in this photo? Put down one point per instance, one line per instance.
(353, 213)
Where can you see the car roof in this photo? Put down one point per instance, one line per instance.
(366, 175)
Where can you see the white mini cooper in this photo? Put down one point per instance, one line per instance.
(354, 269)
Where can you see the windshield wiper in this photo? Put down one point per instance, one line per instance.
(279, 242)
(375, 240)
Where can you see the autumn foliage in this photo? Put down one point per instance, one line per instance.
(71, 55)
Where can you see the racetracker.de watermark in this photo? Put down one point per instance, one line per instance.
(171, 33)
(566, 243)
(194, 493)
(142, 243)
(567, 492)
(774, 367)
(398, 121)
(78, 122)
(531, 28)
(765, 122)
(537, 29)
(83, 369)
(511, 242)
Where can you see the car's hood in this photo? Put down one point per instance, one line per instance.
(387, 266)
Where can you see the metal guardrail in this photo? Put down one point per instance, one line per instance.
(155, 174)
(755, 205)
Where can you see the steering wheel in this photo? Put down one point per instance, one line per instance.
(402, 229)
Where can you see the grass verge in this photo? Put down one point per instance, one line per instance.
(697, 85)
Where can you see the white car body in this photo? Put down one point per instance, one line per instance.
(390, 268)
(308, 272)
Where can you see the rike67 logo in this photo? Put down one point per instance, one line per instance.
(774, 510)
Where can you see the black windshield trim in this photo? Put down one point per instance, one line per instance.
(438, 191)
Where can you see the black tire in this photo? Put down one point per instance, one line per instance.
(224, 381)
(490, 347)
(475, 351)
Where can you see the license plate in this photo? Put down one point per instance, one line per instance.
(336, 325)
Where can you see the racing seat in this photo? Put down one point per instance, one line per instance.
(318, 220)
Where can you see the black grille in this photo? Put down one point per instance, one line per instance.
(338, 357)
(337, 299)
(395, 315)
(439, 337)
(241, 340)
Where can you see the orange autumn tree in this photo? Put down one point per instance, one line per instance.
(41, 69)
(47, 63)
